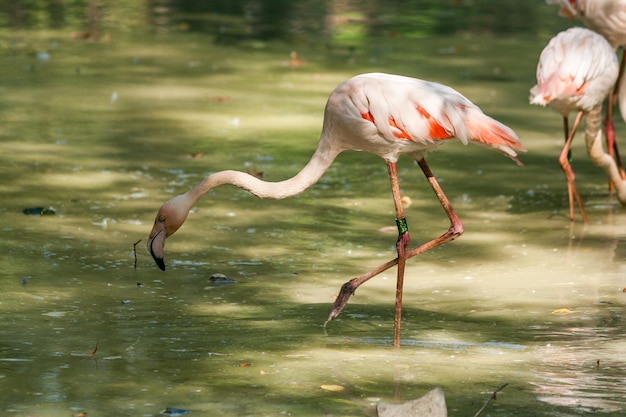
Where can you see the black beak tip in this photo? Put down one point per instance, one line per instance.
(160, 263)
(157, 259)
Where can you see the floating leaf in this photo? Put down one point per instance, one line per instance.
(333, 388)
(562, 311)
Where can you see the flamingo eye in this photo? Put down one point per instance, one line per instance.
(161, 218)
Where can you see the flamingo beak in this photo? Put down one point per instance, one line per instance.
(156, 242)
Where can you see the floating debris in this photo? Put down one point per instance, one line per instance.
(219, 279)
(562, 311)
(169, 411)
(38, 211)
(333, 388)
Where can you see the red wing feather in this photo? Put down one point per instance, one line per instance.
(435, 130)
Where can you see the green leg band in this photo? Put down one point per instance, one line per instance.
(402, 226)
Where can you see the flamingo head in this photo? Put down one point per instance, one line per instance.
(169, 218)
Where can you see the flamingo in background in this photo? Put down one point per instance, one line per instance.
(576, 71)
(387, 115)
(608, 18)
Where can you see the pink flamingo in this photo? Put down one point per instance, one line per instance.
(387, 115)
(608, 18)
(576, 71)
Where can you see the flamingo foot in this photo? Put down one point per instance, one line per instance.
(345, 293)
(575, 197)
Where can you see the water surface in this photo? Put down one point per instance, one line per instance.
(105, 132)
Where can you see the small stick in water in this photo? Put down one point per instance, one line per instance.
(135, 251)
(491, 397)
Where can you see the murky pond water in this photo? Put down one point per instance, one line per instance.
(105, 132)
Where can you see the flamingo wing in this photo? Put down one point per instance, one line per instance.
(576, 68)
(410, 109)
(426, 114)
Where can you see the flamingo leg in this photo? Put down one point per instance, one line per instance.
(567, 168)
(455, 230)
(402, 245)
(609, 126)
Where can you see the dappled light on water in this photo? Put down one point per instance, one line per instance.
(524, 297)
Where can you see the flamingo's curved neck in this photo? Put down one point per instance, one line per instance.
(597, 154)
(309, 175)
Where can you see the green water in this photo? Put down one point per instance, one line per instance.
(104, 132)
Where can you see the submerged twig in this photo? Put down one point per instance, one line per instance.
(95, 349)
(88, 355)
(491, 397)
(135, 251)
